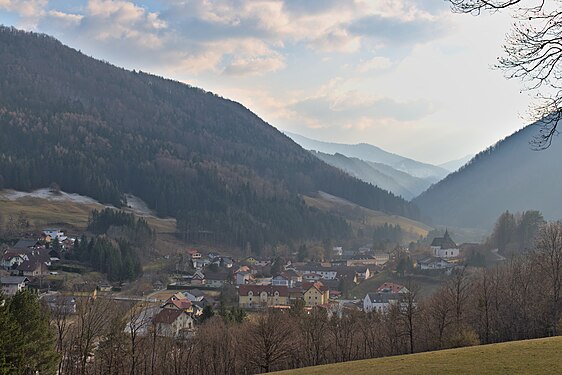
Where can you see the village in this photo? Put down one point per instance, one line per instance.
(201, 284)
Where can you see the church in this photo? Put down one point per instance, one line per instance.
(444, 247)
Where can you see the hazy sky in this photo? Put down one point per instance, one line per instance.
(406, 75)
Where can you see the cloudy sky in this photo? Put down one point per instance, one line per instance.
(406, 75)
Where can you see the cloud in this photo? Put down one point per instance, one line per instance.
(392, 31)
(30, 11)
(339, 108)
(375, 63)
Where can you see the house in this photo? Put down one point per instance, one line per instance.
(311, 277)
(444, 247)
(381, 302)
(392, 288)
(194, 295)
(362, 260)
(172, 322)
(216, 279)
(363, 273)
(433, 263)
(243, 278)
(262, 262)
(32, 268)
(325, 273)
(227, 262)
(13, 284)
(281, 280)
(26, 244)
(256, 296)
(60, 304)
(54, 233)
(194, 254)
(198, 278)
(179, 304)
(199, 263)
(12, 259)
(315, 294)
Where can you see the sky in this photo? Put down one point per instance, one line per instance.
(408, 76)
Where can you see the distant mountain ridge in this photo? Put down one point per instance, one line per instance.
(507, 176)
(381, 175)
(454, 165)
(104, 132)
(368, 152)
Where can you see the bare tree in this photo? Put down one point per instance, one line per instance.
(548, 255)
(533, 53)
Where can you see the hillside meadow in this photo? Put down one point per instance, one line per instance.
(540, 356)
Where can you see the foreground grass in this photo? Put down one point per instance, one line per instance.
(541, 356)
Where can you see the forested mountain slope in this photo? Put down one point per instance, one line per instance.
(103, 131)
(508, 176)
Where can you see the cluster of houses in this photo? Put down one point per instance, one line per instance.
(29, 259)
(445, 255)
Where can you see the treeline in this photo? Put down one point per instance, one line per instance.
(520, 299)
(515, 233)
(102, 131)
(387, 234)
(120, 224)
(118, 259)
(27, 341)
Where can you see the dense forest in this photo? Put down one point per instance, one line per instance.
(103, 131)
(510, 175)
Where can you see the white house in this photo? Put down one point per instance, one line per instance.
(13, 284)
(172, 322)
(380, 302)
(432, 263)
(444, 247)
(54, 234)
(325, 273)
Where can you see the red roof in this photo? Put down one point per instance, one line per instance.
(181, 304)
(167, 316)
(390, 287)
(243, 290)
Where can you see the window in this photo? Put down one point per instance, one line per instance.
(250, 293)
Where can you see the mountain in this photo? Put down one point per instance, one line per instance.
(102, 131)
(372, 153)
(454, 165)
(508, 176)
(381, 175)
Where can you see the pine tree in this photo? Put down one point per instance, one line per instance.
(35, 331)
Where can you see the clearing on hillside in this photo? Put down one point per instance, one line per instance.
(540, 356)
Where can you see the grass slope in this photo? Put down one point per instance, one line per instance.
(360, 216)
(541, 356)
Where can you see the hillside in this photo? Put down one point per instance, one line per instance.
(381, 175)
(367, 152)
(541, 356)
(364, 218)
(104, 132)
(508, 176)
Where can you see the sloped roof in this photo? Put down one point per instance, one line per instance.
(390, 288)
(384, 297)
(12, 280)
(181, 304)
(167, 316)
(444, 242)
(25, 244)
(317, 284)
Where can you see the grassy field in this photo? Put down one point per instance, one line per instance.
(427, 285)
(43, 212)
(541, 356)
(364, 217)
